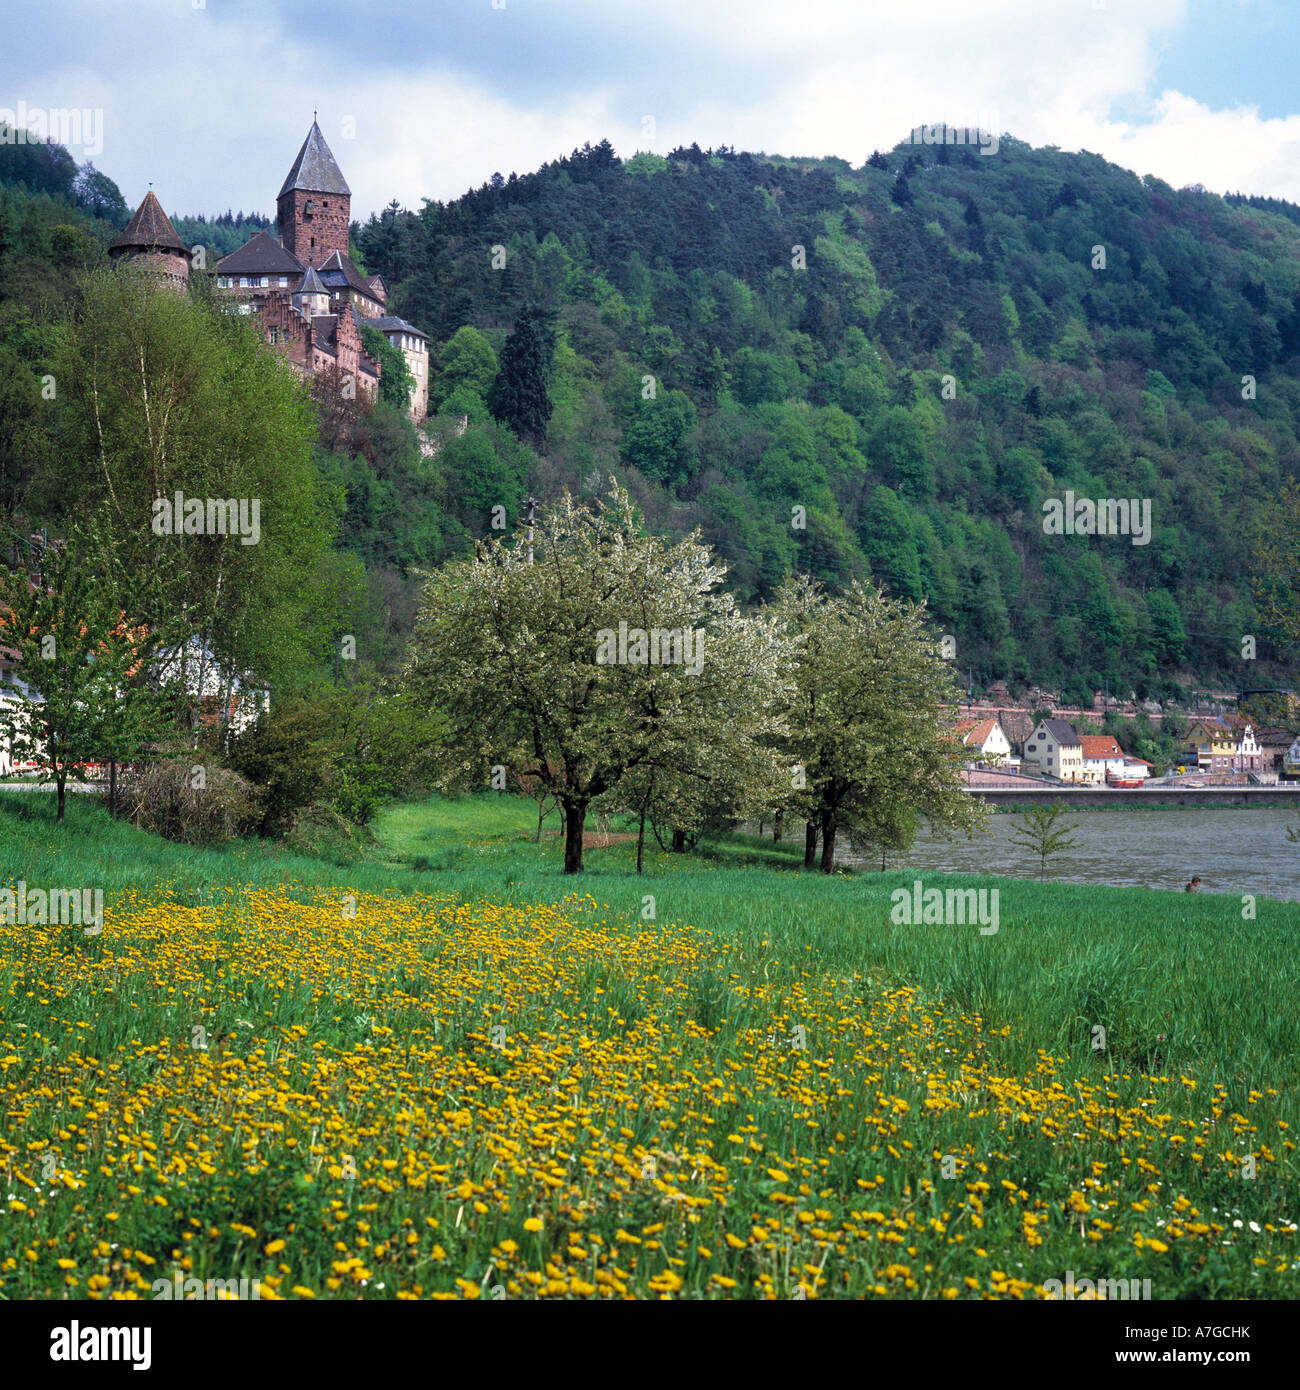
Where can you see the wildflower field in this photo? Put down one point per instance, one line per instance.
(435, 1093)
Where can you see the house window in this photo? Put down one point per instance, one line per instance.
(243, 282)
(265, 282)
(284, 280)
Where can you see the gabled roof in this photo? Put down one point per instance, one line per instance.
(1061, 730)
(1100, 746)
(977, 734)
(391, 324)
(315, 169)
(149, 228)
(261, 254)
(337, 271)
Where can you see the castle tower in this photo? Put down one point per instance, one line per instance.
(311, 297)
(149, 243)
(314, 206)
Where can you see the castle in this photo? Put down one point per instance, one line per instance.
(309, 297)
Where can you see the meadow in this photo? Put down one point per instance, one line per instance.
(429, 1065)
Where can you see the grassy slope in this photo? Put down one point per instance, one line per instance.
(1223, 992)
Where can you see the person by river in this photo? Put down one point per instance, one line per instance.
(1194, 886)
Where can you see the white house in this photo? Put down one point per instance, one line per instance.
(987, 741)
(1104, 759)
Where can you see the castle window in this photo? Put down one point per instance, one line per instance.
(243, 282)
(284, 280)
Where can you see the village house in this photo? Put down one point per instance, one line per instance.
(1208, 739)
(1101, 754)
(1105, 761)
(988, 742)
(1054, 750)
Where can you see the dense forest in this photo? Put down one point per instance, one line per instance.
(879, 371)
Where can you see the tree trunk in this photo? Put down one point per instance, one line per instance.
(828, 843)
(809, 845)
(61, 782)
(777, 825)
(679, 842)
(112, 786)
(538, 840)
(640, 844)
(575, 825)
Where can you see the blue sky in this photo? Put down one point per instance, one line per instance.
(210, 99)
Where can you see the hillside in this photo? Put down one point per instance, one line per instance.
(940, 359)
(823, 387)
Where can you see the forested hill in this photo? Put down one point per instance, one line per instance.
(779, 386)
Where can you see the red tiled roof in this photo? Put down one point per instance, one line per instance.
(978, 732)
(1100, 746)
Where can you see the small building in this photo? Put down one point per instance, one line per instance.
(1248, 756)
(1054, 750)
(987, 741)
(1209, 743)
(1102, 757)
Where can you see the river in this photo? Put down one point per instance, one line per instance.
(1233, 850)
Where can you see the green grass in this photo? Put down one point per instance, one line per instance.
(1224, 992)
(1182, 985)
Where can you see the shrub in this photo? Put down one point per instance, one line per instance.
(196, 805)
(287, 755)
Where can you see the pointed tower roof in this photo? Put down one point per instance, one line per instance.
(311, 284)
(315, 169)
(149, 228)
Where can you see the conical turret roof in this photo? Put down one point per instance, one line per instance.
(312, 283)
(315, 170)
(149, 229)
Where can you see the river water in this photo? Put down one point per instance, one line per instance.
(1233, 850)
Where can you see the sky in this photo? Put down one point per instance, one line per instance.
(209, 100)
